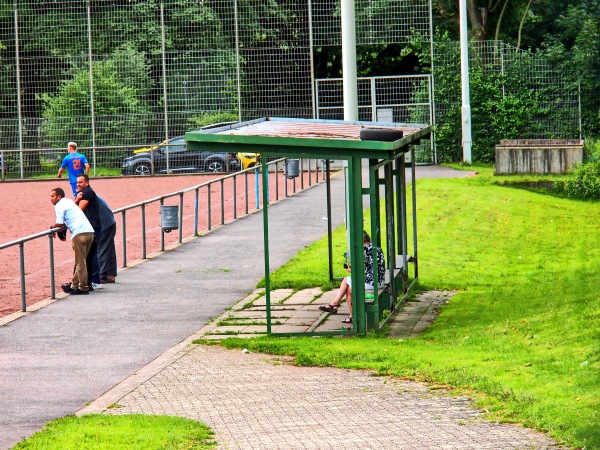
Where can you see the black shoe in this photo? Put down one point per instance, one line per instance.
(67, 288)
(79, 292)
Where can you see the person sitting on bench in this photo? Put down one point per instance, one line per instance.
(346, 287)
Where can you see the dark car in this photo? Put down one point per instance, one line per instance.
(180, 159)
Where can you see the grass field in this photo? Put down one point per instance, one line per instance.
(522, 334)
(96, 431)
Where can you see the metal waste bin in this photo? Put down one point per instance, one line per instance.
(169, 217)
(292, 168)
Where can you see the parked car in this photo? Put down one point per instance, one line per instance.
(248, 160)
(180, 160)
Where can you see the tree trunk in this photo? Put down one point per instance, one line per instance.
(477, 19)
(521, 24)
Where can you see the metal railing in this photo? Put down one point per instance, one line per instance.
(309, 175)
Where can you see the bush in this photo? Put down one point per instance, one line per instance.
(583, 182)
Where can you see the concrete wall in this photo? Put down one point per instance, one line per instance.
(538, 156)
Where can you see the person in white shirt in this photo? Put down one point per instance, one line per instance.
(82, 235)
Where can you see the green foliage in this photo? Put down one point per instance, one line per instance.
(212, 118)
(582, 182)
(521, 334)
(120, 105)
(95, 431)
(504, 105)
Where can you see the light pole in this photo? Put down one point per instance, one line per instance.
(464, 76)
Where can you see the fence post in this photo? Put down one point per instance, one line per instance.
(144, 231)
(180, 217)
(124, 222)
(22, 276)
(222, 202)
(162, 232)
(51, 253)
(234, 196)
(209, 222)
(196, 202)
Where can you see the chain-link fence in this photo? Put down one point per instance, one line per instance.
(514, 94)
(402, 98)
(120, 75)
(132, 73)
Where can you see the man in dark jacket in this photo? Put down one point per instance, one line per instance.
(104, 259)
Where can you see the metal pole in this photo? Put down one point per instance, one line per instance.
(375, 240)
(196, 211)
(403, 223)
(256, 186)
(329, 230)
(464, 76)
(246, 192)
(414, 211)
(237, 60)
(234, 196)
(208, 206)
(265, 194)
(312, 59)
(350, 88)
(162, 232)
(124, 222)
(432, 83)
(277, 182)
(357, 257)
(373, 100)
(144, 231)
(432, 119)
(92, 114)
(579, 100)
(390, 228)
(350, 96)
(22, 276)
(164, 74)
(222, 202)
(19, 106)
(51, 254)
(181, 217)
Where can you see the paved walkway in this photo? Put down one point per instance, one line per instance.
(254, 401)
(63, 356)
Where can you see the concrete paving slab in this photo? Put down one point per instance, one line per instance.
(276, 296)
(247, 314)
(303, 297)
(301, 321)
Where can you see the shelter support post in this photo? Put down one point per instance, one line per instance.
(265, 194)
(402, 230)
(372, 309)
(329, 226)
(414, 211)
(357, 257)
(390, 232)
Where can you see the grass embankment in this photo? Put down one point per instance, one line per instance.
(523, 333)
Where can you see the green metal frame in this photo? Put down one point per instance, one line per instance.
(390, 156)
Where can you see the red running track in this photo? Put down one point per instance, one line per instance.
(25, 209)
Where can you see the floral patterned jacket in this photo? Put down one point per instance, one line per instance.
(369, 276)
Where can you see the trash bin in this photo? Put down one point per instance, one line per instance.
(292, 168)
(169, 217)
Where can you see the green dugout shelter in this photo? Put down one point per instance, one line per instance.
(384, 147)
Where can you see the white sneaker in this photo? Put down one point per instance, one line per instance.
(96, 286)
